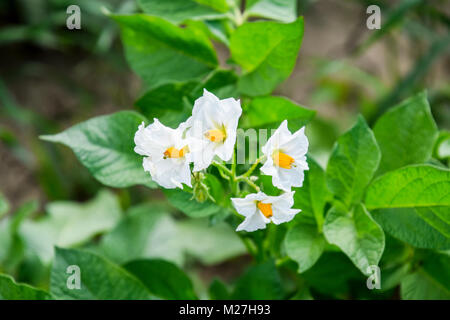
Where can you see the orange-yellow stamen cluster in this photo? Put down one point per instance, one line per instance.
(172, 152)
(282, 160)
(215, 135)
(266, 208)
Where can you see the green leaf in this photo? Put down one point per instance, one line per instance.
(100, 278)
(177, 11)
(313, 195)
(222, 242)
(10, 290)
(161, 52)
(304, 244)
(271, 110)
(357, 234)
(406, 133)
(105, 146)
(69, 224)
(167, 103)
(183, 201)
(406, 225)
(353, 162)
(220, 82)
(421, 286)
(218, 291)
(437, 217)
(332, 265)
(259, 282)
(267, 52)
(163, 279)
(4, 205)
(408, 187)
(145, 232)
(282, 10)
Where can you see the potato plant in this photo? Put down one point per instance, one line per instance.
(373, 223)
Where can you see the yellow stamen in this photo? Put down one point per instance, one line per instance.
(215, 135)
(283, 160)
(175, 153)
(266, 209)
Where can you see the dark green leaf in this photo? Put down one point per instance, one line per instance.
(406, 225)
(161, 52)
(105, 145)
(259, 282)
(100, 278)
(163, 279)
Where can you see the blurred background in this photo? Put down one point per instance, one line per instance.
(52, 78)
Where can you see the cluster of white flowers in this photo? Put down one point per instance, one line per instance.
(211, 131)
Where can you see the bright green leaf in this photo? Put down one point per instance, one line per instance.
(270, 111)
(177, 11)
(100, 278)
(282, 10)
(10, 290)
(161, 52)
(406, 133)
(409, 187)
(105, 145)
(163, 279)
(357, 234)
(304, 244)
(267, 52)
(352, 163)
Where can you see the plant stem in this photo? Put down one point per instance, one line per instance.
(252, 168)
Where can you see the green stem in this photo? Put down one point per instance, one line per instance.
(252, 168)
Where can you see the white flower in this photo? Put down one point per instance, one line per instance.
(286, 157)
(259, 209)
(166, 154)
(212, 129)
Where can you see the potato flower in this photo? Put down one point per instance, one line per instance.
(286, 157)
(212, 129)
(166, 154)
(260, 209)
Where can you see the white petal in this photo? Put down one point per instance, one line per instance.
(253, 222)
(281, 216)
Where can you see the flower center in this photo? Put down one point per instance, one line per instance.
(175, 153)
(282, 160)
(216, 135)
(266, 209)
